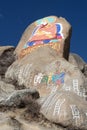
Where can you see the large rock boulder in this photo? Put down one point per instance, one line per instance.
(49, 31)
(44, 70)
(65, 108)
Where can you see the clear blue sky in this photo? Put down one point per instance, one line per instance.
(16, 15)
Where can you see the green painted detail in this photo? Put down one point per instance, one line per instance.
(54, 40)
(45, 79)
(48, 20)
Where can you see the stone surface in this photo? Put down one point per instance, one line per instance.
(20, 111)
(65, 108)
(42, 85)
(85, 70)
(57, 81)
(19, 98)
(3, 48)
(49, 74)
(6, 89)
(49, 31)
(77, 61)
(6, 58)
(13, 121)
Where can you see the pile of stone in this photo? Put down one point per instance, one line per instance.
(43, 86)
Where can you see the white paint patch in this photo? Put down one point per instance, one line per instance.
(38, 78)
(47, 101)
(58, 106)
(52, 102)
(75, 111)
(84, 93)
(66, 88)
(54, 89)
(86, 113)
(75, 85)
(23, 74)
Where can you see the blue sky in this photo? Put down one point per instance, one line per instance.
(16, 15)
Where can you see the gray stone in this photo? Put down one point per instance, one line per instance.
(13, 121)
(19, 98)
(76, 60)
(85, 70)
(6, 58)
(65, 108)
(46, 72)
(6, 89)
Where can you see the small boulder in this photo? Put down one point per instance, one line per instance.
(6, 58)
(6, 89)
(76, 60)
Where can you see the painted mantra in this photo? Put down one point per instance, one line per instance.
(66, 87)
(47, 101)
(75, 111)
(52, 102)
(24, 73)
(76, 88)
(75, 85)
(81, 93)
(38, 78)
(57, 78)
(58, 106)
(54, 89)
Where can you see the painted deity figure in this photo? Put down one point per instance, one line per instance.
(45, 32)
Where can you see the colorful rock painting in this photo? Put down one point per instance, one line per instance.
(46, 32)
(57, 78)
(45, 20)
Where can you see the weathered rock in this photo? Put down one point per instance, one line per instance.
(6, 123)
(13, 121)
(46, 72)
(20, 111)
(3, 48)
(6, 58)
(66, 109)
(25, 70)
(85, 70)
(77, 61)
(49, 31)
(19, 98)
(53, 88)
(6, 89)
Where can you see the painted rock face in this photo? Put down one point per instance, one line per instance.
(45, 34)
(49, 31)
(46, 31)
